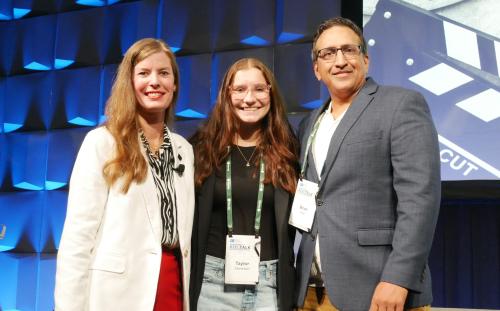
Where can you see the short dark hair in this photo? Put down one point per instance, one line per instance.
(338, 21)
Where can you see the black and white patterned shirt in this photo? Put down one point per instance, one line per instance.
(163, 175)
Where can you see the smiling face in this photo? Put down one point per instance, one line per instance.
(343, 77)
(154, 85)
(250, 96)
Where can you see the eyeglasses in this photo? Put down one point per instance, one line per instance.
(260, 91)
(350, 51)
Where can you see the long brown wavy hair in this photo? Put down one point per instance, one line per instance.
(277, 142)
(121, 112)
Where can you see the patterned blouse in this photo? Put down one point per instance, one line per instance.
(161, 165)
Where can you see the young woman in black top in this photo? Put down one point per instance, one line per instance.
(245, 174)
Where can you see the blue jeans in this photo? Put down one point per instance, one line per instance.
(262, 297)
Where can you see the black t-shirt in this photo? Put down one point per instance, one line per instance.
(245, 183)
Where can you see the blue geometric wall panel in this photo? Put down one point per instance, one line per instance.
(32, 8)
(187, 127)
(27, 281)
(18, 288)
(77, 96)
(5, 10)
(3, 160)
(296, 22)
(37, 47)
(8, 286)
(53, 220)
(7, 50)
(303, 92)
(184, 29)
(21, 213)
(126, 23)
(257, 26)
(20, 13)
(27, 102)
(108, 73)
(2, 102)
(31, 43)
(46, 281)
(73, 5)
(194, 86)
(80, 37)
(14, 9)
(28, 159)
(63, 146)
(241, 23)
(17, 9)
(223, 60)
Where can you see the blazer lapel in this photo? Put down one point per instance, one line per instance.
(148, 192)
(177, 151)
(178, 155)
(280, 212)
(204, 206)
(311, 173)
(352, 114)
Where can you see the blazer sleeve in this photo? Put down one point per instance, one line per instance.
(417, 184)
(86, 201)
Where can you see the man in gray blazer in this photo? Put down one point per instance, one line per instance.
(373, 152)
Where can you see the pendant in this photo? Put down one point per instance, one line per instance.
(248, 164)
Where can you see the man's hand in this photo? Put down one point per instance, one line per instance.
(388, 297)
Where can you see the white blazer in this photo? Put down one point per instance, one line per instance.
(110, 251)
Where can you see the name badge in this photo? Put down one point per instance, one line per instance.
(304, 205)
(242, 260)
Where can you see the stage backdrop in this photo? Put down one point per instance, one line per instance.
(450, 52)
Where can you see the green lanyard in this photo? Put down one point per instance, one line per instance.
(310, 139)
(229, 196)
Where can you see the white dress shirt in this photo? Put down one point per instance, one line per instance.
(320, 147)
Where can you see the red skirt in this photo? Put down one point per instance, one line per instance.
(169, 292)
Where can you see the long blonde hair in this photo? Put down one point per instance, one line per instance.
(121, 113)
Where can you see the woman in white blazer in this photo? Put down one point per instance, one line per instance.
(126, 238)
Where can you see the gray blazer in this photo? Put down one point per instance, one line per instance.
(378, 199)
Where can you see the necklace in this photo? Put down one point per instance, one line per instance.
(249, 159)
(153, 145)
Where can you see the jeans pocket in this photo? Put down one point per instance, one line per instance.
(213, 275)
